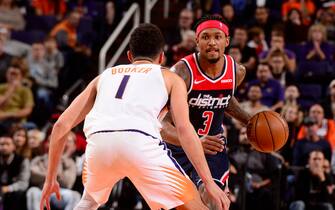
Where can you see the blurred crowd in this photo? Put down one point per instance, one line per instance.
(287, 47)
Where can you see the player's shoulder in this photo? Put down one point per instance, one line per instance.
(169, 73)
(171, 77)
(179, 66)
(182, 70)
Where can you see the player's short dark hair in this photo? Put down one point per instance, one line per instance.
(265, 63)
(210, 17)
(146, 41)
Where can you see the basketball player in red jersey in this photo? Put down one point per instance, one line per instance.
(211, 78)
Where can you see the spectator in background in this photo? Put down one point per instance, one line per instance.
(258, 169)
(11, 16)
(184, 24)
(310, 142)
(307, 9)
(295, 30)
(43, 72)
(238, 155)
(329, 102)
(279, 68)
(290, 113)
(35, 142)
(105, 25)
(253, 105)
(66, 33)
(249, 56)
(53, 56)
(235, 52)
(257, 40)
(55, 8)
(16, 100)
(5, 61)
(228, 14)
(313, 185)
(272, 91)
(13, 47)
(175, 37)
(317, 48)
(14, 175)
(66, 178)
(262, 20)
(326, 17)
(326, 127)
(210, 7)
(45, 77)
(20, 138)
(186, 47)
(291, 96)
(278, 44)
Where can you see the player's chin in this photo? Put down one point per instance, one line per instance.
(213, 59)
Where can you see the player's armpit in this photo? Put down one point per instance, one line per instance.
(240, 73)
(182, 70)
(234, 110)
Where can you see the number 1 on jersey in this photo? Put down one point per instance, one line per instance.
(208, 122)
(122, 86)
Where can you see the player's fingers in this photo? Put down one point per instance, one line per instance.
(42, 204)
(226, 202)
(216, 141)
(47, 202)
(58, 195)
(209, 152)
(213, 147)
(214, 138)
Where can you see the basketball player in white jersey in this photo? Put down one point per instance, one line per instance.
(122, 107)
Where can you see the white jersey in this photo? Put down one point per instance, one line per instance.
(128, 97)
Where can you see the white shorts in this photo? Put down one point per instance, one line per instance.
(111, 156)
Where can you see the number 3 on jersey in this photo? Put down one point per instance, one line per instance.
(122, 86)
(208, 122)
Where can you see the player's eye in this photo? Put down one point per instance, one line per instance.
(218, 37)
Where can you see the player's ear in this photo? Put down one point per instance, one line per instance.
(130, 56)
(161, 57)
(227, 41)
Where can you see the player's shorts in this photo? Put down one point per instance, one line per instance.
(145, 160)
(218, 165)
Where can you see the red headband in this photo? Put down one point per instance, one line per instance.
(212, 24)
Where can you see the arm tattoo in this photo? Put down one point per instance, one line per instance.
(240, 73)
(183, 72)
(234, 110)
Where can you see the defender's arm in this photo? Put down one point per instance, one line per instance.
(169, 132)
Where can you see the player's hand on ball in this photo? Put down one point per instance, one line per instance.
(215, 198)
(213, 144)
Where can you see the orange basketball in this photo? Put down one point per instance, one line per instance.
(267, 131)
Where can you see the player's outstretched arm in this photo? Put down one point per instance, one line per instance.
(189, 139)
(71, 117)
